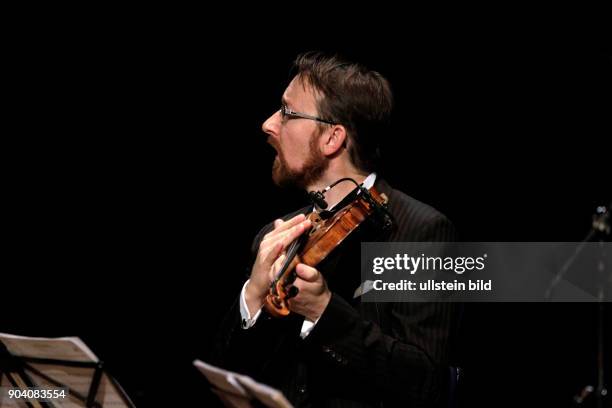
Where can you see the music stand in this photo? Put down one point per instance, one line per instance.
(240, 391)
(16, 368)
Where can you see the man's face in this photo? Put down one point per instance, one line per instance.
(299, 161)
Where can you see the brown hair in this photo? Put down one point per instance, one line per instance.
(353, 96)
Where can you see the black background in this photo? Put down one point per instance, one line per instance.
(137, 176)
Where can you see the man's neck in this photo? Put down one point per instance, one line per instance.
(337, 193)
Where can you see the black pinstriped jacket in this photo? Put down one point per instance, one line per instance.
(358, 354)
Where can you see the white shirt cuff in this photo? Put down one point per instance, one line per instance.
(246, 320)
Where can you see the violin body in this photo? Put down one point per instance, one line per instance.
(324, 236)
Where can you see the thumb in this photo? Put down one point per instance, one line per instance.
(307, 273)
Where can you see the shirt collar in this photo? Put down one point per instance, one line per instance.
(368, 183)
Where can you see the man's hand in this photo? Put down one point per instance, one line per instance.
(313, 296)
(270, 258)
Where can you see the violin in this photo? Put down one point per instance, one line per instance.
(329, 229)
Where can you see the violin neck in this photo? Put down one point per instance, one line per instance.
(289, 264)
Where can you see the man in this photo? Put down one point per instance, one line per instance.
(333, 349)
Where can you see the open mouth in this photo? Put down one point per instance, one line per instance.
(273, 143)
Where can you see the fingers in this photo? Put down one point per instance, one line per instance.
(307, 273)
(280, 225)
(277, 265)
(295, 232)
(311, 296)
(286, 236)
(273, 255)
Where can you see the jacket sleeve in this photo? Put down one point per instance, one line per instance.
(250, 351)
(407, 363)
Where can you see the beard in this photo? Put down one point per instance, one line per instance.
(313, 168)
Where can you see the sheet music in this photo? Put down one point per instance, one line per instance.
(60, 348)
(241, 387)
(271, 397)
(222, 379)
(75, 378)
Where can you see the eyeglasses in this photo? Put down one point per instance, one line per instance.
(288, 113)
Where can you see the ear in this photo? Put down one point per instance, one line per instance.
(333, 140)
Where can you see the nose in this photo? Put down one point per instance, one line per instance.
(272, 124)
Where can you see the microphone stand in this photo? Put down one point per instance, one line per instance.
(600, 228)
